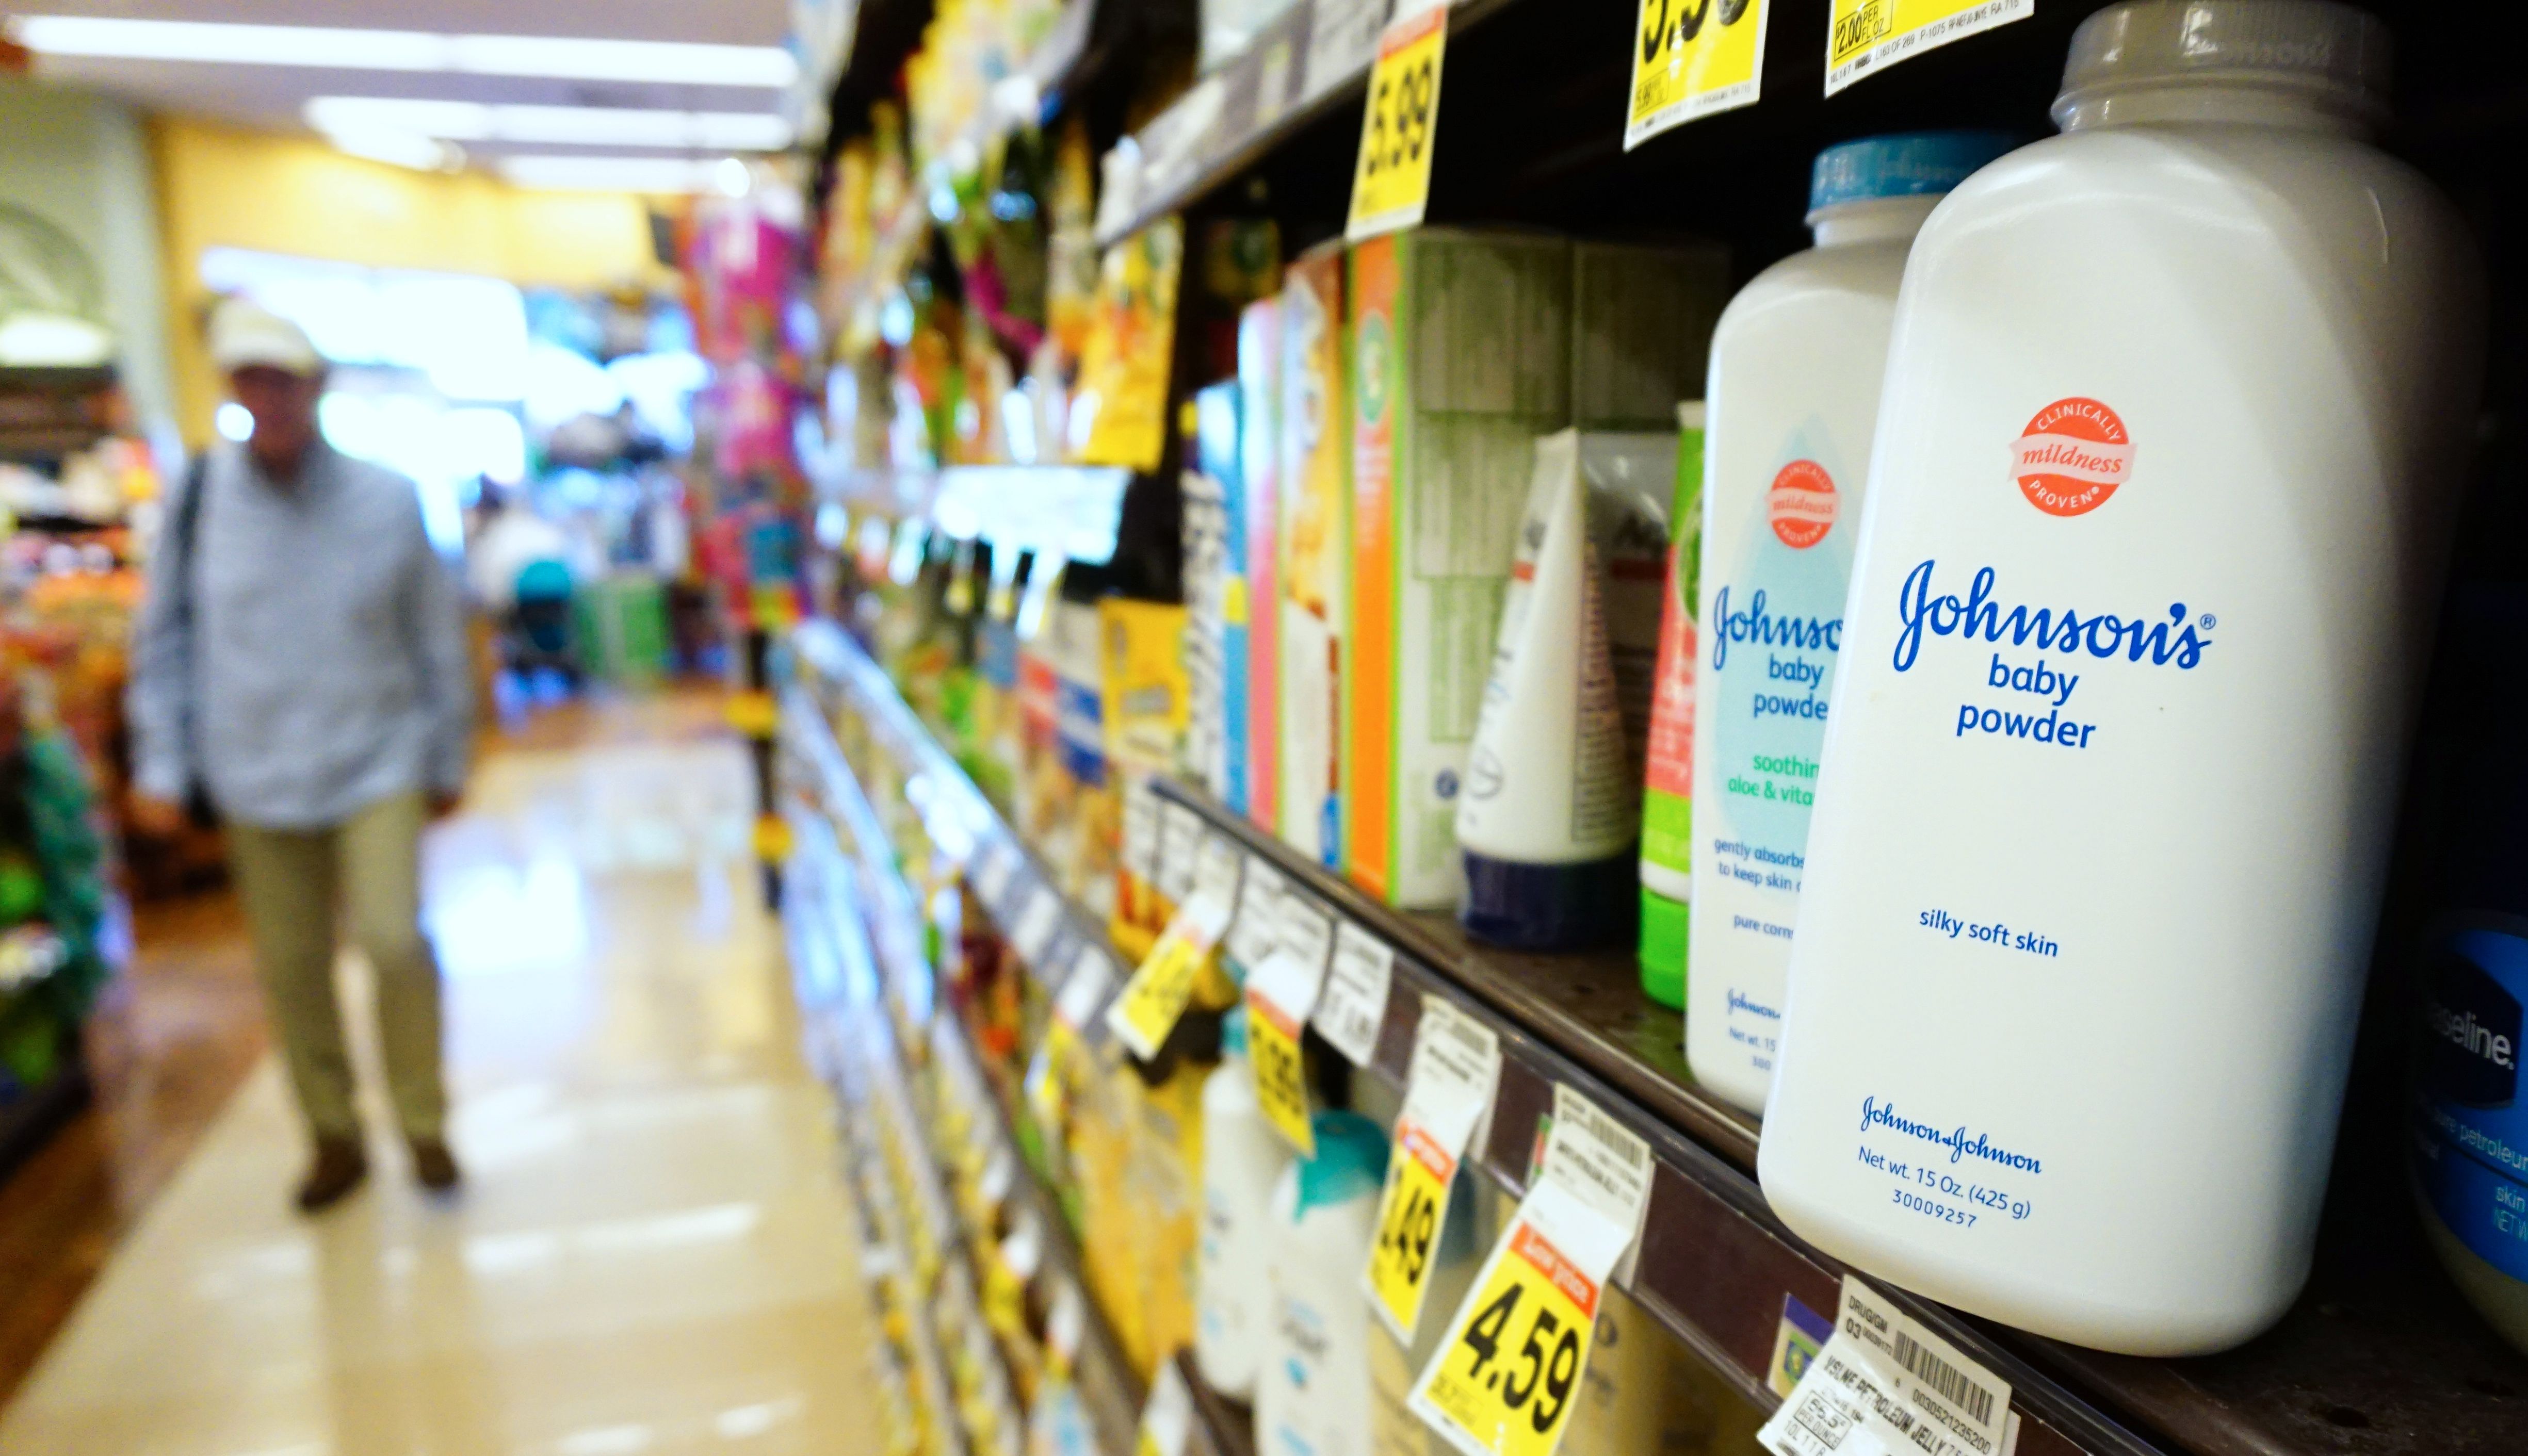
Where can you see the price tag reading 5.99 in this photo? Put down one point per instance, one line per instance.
(1507, 1375)
(1391, 182)
(1281, 1074)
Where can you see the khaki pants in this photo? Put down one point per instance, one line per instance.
(290, 882)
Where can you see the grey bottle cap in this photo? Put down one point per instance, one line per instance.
(2337, 55)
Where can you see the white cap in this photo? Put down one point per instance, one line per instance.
(2334, 55)
(244, 334)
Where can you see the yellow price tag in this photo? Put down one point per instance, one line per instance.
(772, 839)
(1866, 37)
(1155, 998)
(1280, 1072)
(1044, 1092)
(1510, 1371)
(1694, 58)
(1391, 182)
(1420, 1175)
(752, 714)
(1004, 1300)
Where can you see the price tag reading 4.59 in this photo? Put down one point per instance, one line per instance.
(1391, 182)
(1447, 1095)
(1502, 1382)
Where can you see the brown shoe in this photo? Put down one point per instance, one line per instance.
(339, 1166)
(433, 1166)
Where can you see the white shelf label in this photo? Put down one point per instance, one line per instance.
(1597, 1160)
(1141, 828)
(1083, 993)
(1066, 1320)
(1256, 927)
(1354, 1004)
(1884, 1385)
(1456, 1073)
(992, 873)
(1180, 844)
(1037, 924)
(1215, 869)
(1167, 1418)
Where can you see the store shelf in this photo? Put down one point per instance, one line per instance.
(1075, 510)
(843, 1029)
(902, 980)
(2377, 1358)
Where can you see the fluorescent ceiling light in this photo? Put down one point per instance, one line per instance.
(601, 125)
(566, 57)
(398, 148)
(609, 173)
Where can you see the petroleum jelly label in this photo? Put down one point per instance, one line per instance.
(1884, 1385)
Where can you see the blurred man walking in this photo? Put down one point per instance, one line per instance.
(299, 668)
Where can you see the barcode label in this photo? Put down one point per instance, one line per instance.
(1966, 1403)
(1597, 1160)
(1944, 1378)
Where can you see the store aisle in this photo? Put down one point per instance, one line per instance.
(654, 1253)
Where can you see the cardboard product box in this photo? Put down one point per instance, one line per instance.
(1217, 592)
(1252, 610)
(1641, 329)
(1143, 685)
(1084, 826)
(1314, 585)
(1203, 526)
(1462, 352)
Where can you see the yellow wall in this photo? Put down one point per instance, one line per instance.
(220, 187)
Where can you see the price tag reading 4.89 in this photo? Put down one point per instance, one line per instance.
(1391, 182)
(1508, 1374)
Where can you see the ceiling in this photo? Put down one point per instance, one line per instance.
(272, 98)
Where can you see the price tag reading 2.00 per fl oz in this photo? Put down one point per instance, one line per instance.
(1502, 1384)
(1866, 37)
(1391, 182)
(1447, 1096)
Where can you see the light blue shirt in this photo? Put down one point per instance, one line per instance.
(323, 665)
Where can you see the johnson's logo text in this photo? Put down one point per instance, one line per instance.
(1919, 608)
(1876, 1113)
(1758, 626)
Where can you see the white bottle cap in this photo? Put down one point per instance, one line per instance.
(2335, 56)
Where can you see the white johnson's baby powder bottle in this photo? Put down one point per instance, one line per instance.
(2157, 507)
(1795, 364)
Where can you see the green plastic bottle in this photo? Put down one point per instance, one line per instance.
(1667, 804)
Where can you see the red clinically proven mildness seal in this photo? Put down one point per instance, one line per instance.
(2072, 457)
(1801, 504)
